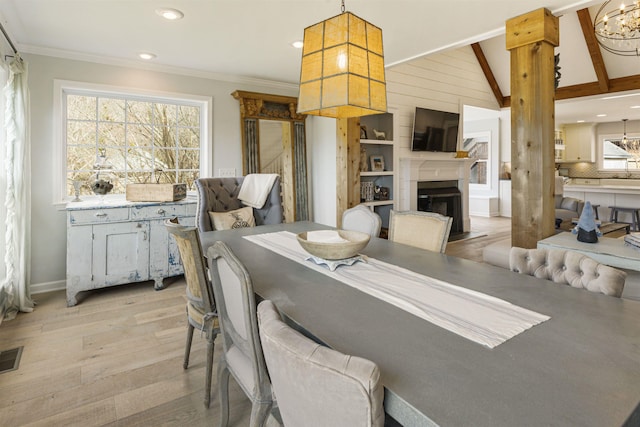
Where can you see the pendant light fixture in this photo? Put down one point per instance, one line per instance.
(624, 136)
(342, 72)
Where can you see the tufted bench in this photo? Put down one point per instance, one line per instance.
(569, 268)
(497, 253)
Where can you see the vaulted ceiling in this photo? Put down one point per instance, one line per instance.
(595, 85)
(251, 39)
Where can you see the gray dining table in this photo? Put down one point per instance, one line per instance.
(579, 368)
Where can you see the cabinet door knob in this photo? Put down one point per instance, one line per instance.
(161, 211)
(144, 235)
(101, 214)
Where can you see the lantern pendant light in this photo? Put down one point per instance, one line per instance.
(342, 73)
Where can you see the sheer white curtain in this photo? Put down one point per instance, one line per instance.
(14, 288)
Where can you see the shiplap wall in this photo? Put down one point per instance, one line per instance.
(444, 81)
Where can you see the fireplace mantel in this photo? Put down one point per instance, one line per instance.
(418, 169)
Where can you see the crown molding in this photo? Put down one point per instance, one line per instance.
(119, 62)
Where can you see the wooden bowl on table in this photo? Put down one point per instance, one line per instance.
(333, 244)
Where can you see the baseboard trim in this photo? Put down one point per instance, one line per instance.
(40, 288)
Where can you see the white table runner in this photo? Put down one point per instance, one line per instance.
(476, 316)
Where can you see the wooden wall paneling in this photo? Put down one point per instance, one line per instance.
(288, 172)
(531, 39)
(347, 165)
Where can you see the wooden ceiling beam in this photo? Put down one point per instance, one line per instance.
(594, 48)
(594, 88)
(486, 69)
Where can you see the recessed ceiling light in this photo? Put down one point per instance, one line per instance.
(601, 115)
(297, 44)
(170, 14)
(579, 121)
(146, 56)
(635, 106)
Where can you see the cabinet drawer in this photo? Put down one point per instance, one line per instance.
(98, 216)
(157, 211)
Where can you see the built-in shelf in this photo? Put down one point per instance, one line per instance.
(378, 203)
(376, 141)
(380, 173)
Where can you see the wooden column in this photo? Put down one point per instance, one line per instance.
(347, 165)
(531, 39)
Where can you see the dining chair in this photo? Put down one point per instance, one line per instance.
(361, 218)
(242, 352)
(221, 195)
(568, 268)
(315, 385)
(425, 230)
(201, 307)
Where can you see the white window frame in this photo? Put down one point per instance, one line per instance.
(64, 87)
(600, 152)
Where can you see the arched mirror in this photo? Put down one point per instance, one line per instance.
(273, 141)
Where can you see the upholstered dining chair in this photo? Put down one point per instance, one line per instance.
(568, 268)
(242, 352)
(425, 230)
(201, 307)
(221, 195)
(315, 385)
(361, 218)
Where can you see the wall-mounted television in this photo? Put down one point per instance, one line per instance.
(435, 130)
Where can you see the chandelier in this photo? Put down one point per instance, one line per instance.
(342, 72)
(618, 30)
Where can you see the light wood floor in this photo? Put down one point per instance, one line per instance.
(115, 359)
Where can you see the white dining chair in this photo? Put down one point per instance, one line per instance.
(242, 352)
(425, 230)
(314, 385)
(361, 218)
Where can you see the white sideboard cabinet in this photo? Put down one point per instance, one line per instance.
(115, 242)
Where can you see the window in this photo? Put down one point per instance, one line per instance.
(477, 144)
(129, 137)
(616, 154)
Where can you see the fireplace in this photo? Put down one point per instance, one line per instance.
(442, 197)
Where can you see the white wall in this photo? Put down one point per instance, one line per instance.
(322, 132)
(48, 264)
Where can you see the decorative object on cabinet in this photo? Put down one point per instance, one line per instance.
(366, 191)
(379, 134)
(117, 243)
(76, 188)
(351, 85)
(363, 132)
(156, 192)
(381, 193)
(364, 162)
(377, 163)
(104, 179)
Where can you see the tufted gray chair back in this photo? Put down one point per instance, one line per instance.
(221, 195)
(568, 268)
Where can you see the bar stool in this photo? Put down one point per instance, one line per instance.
(635, 215)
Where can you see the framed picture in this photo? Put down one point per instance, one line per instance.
(363, 132)
(377, 163)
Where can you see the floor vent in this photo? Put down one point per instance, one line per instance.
(10, 359)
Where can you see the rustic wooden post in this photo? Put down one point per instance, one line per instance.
(531, 39)
(347, 165)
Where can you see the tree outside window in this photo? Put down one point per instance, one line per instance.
(138, 140)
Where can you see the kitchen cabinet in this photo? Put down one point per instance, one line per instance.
(113, 243)
(579, 142)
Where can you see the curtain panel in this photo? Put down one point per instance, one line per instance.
(14, 288)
